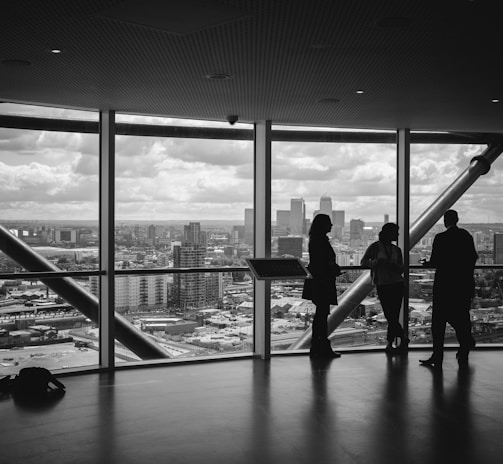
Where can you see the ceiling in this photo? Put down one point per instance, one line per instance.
(421, 64)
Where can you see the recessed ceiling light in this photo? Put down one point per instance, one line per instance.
(329, 100)
(218, 77)
(16, 63)
(359, 92)
(56, 51)
(495, 100)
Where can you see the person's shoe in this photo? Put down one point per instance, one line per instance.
(315, 354)
(403, 348)
(328, 351)
(462, 359)
(431, 362)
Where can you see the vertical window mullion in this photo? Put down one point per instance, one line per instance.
(107, 244)
(262, 236)
(403, 213)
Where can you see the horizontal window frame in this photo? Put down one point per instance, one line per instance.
(179, 270)
(277, 135)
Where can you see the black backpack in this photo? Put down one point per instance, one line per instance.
(31, 382)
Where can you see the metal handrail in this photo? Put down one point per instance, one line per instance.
(170, 270)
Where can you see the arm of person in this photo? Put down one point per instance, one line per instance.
(433, 261)
(335, 269)
(368, 259)
(399, 263)
(473, 252)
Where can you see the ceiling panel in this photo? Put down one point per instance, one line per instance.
(421, 64)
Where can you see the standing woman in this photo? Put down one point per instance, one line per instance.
(385, 261)
(321, 288)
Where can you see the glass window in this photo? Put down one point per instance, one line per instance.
(180, 203)
(355, 184)
(48, 201)
(433, 168)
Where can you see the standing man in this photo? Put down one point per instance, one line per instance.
(453, 256)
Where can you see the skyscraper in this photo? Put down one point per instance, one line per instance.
(192, 233)
(339, 223)
(386, 218)
(283, 218)
(356, 229)
(189, 290)
(297, 216)
(326, 206)
(498, 249)
(249, 221)
(339, 218)
(151, 234)
(237, 234)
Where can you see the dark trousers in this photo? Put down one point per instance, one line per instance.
(391, 297)
(320, 322)
(457, 314)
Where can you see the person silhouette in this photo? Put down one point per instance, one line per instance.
(453, 256)
(385, 261)
(321, 288)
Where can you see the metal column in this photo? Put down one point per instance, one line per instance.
(402, 213)
(262, 237)
(107, 239)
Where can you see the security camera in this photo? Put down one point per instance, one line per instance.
(232, 119)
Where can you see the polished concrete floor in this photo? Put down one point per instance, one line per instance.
(361, 408)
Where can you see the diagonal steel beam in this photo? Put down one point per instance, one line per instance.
(362, 286)
(78, 297)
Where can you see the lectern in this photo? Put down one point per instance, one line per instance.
(278, 268)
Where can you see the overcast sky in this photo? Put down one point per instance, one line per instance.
(50, 175)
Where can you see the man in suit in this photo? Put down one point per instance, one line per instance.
(453, 256)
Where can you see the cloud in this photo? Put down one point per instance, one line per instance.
(87, 165)
(210, 152)
(324, 161)
(42, 183)
(50, 174)
(17, 140)
(179, 183)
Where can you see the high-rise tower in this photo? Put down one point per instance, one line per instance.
(297, 216)
(326, 206)
(189, 290)
(356, 229)
(249, 223)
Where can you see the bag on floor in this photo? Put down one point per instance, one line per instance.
(35, 382)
